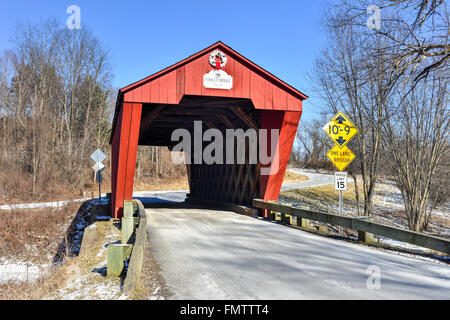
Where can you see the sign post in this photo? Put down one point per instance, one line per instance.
(98, 156)
(340, 184)
(341, 131)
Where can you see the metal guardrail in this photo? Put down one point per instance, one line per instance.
(360, 224)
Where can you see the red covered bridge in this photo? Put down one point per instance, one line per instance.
(148, 111)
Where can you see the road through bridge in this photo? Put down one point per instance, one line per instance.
(213, 254)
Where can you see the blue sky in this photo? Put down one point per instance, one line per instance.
(146, 36)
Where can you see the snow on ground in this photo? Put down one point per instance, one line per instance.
(89, 286)
(389, 200)
(57, 204)
(92, 284)
(387, 209)
(20, 271)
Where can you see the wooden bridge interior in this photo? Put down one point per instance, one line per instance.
(236, 183)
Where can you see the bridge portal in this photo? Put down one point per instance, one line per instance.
(216, 88)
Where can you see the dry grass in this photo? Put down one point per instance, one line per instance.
(34, 234)
(75, 277)
(294, 177)
(79, 278)
(321, 197)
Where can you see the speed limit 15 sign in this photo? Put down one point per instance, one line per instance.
(340, 181)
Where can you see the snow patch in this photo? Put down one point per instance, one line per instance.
(20, 271)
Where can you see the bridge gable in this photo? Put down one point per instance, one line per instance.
(250, 81)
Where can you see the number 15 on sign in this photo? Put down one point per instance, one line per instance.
(340, 181)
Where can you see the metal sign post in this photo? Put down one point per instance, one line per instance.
(341, 131)
(340, 184)
(98, 156)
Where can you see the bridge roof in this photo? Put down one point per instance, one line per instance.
(185, 79)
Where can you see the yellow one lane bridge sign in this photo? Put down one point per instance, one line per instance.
(341, 157)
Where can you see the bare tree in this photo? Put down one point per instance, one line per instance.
(55, 102)
(417, 29)
(353, 75)
(312, 144)
(417, 141)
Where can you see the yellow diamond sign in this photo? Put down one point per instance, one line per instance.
(341, 157)
(340, 129)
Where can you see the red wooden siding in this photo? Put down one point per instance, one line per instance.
(124, 152)
(287, 123)
(169, 86)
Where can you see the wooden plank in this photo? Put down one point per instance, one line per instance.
(245, 117)
(135, 122)
(137, 95)
(258, 91)
(172, 88)
(286, 141)
(117, 254)
(245, 82)
(269, 96)
(181, 73)
(137, 255)
(279, 99)
(114, 165)
(122, 159)
(127, 229)
(155, 91)
(198, 77)
(227, 122)
(128, 210)
(189, 78)
(146, 93)
(163, 89)
(237, 80)
(149, 118)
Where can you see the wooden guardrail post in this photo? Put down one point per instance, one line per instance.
(363, 236)
(303, 223)
(128, 221)
(128, 209)
(117, 254)
(287, 219)
(272, 215)
(277, 217)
